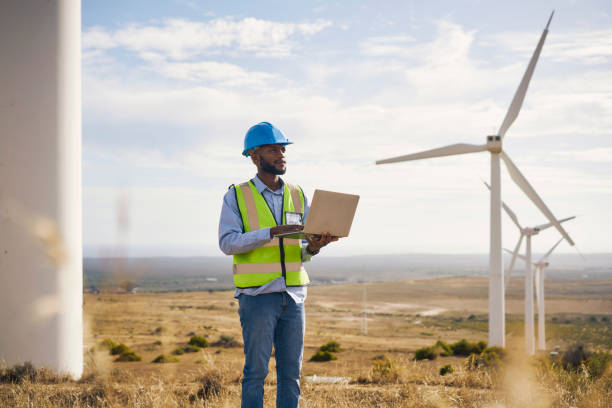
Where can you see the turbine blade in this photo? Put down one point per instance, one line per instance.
(524, 185)
(510, 213)
(523, 257)
(545, 257)
(544, 226)
(460, 148)
(519, 96)
(514, 255)
(579, 253)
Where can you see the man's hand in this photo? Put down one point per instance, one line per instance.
(316, 242)
(282, 229)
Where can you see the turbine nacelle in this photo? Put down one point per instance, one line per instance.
(542, 265)
(494, 143)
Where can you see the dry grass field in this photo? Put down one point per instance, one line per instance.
(376, 370)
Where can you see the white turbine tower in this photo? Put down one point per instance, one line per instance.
(526, 232)
(539, 283)
(494, 146)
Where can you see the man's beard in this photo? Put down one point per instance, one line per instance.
(269, 167)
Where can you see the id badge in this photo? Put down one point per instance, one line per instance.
(293, 218)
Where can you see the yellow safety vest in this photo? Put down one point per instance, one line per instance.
(279, 257)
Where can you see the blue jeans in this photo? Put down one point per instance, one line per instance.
(266, 320)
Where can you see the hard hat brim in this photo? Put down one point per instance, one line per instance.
(246, 151)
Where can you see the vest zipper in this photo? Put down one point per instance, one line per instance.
(282, 258)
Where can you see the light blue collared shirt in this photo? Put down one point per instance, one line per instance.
(232, 239)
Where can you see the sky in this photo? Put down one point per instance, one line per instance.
(171, 87)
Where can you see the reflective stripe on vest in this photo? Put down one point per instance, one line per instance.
(279, 257)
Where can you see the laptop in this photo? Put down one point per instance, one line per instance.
(329, 212)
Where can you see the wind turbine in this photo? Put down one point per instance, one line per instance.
(526, 232)
(364, 311)
(539, 279)
(494, 146)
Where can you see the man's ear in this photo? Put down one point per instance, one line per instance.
(255, 157)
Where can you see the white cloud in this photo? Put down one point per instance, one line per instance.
(387, 46)
(182, 39)
(596, 155)
(223, 73)
(586, 47)
(425, 96)
(439, 70)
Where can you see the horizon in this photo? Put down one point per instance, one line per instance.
(142, 253)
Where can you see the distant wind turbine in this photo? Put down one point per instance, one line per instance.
(494, 146)
(364, 311)
(539, 280)
(526, 232)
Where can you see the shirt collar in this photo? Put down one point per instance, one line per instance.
(261, 186)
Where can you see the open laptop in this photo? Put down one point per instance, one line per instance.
(329, 212)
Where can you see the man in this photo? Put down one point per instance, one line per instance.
(268, 273)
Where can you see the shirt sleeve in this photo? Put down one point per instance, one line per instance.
(232, 239)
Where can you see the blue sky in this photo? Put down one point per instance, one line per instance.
(170, 87)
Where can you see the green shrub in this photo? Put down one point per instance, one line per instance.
(500, 351)
(598, 363)
(128, 356)
(191, 349)
(323, 356)
(157, 342)
(331, 346)
(575, 356)
(18, 373)
(446, 369)
(108, 343)
(177, 352)
(425, 353)
(444, 348)
(226, 342)
(211, 385)
(465, 348)
(490, 357)
(384, 371)
(163, 358)
(119, 349)
(198, 341)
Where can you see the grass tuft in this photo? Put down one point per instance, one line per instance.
(128, 357)
(164, 358)
(199, 341)
(446, 369)
(226, 341)
(425, 353)
(119, 349)
(331, 346)
(321, 356)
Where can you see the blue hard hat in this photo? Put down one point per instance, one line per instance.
(263, 133)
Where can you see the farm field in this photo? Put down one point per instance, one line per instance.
(373, 370)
